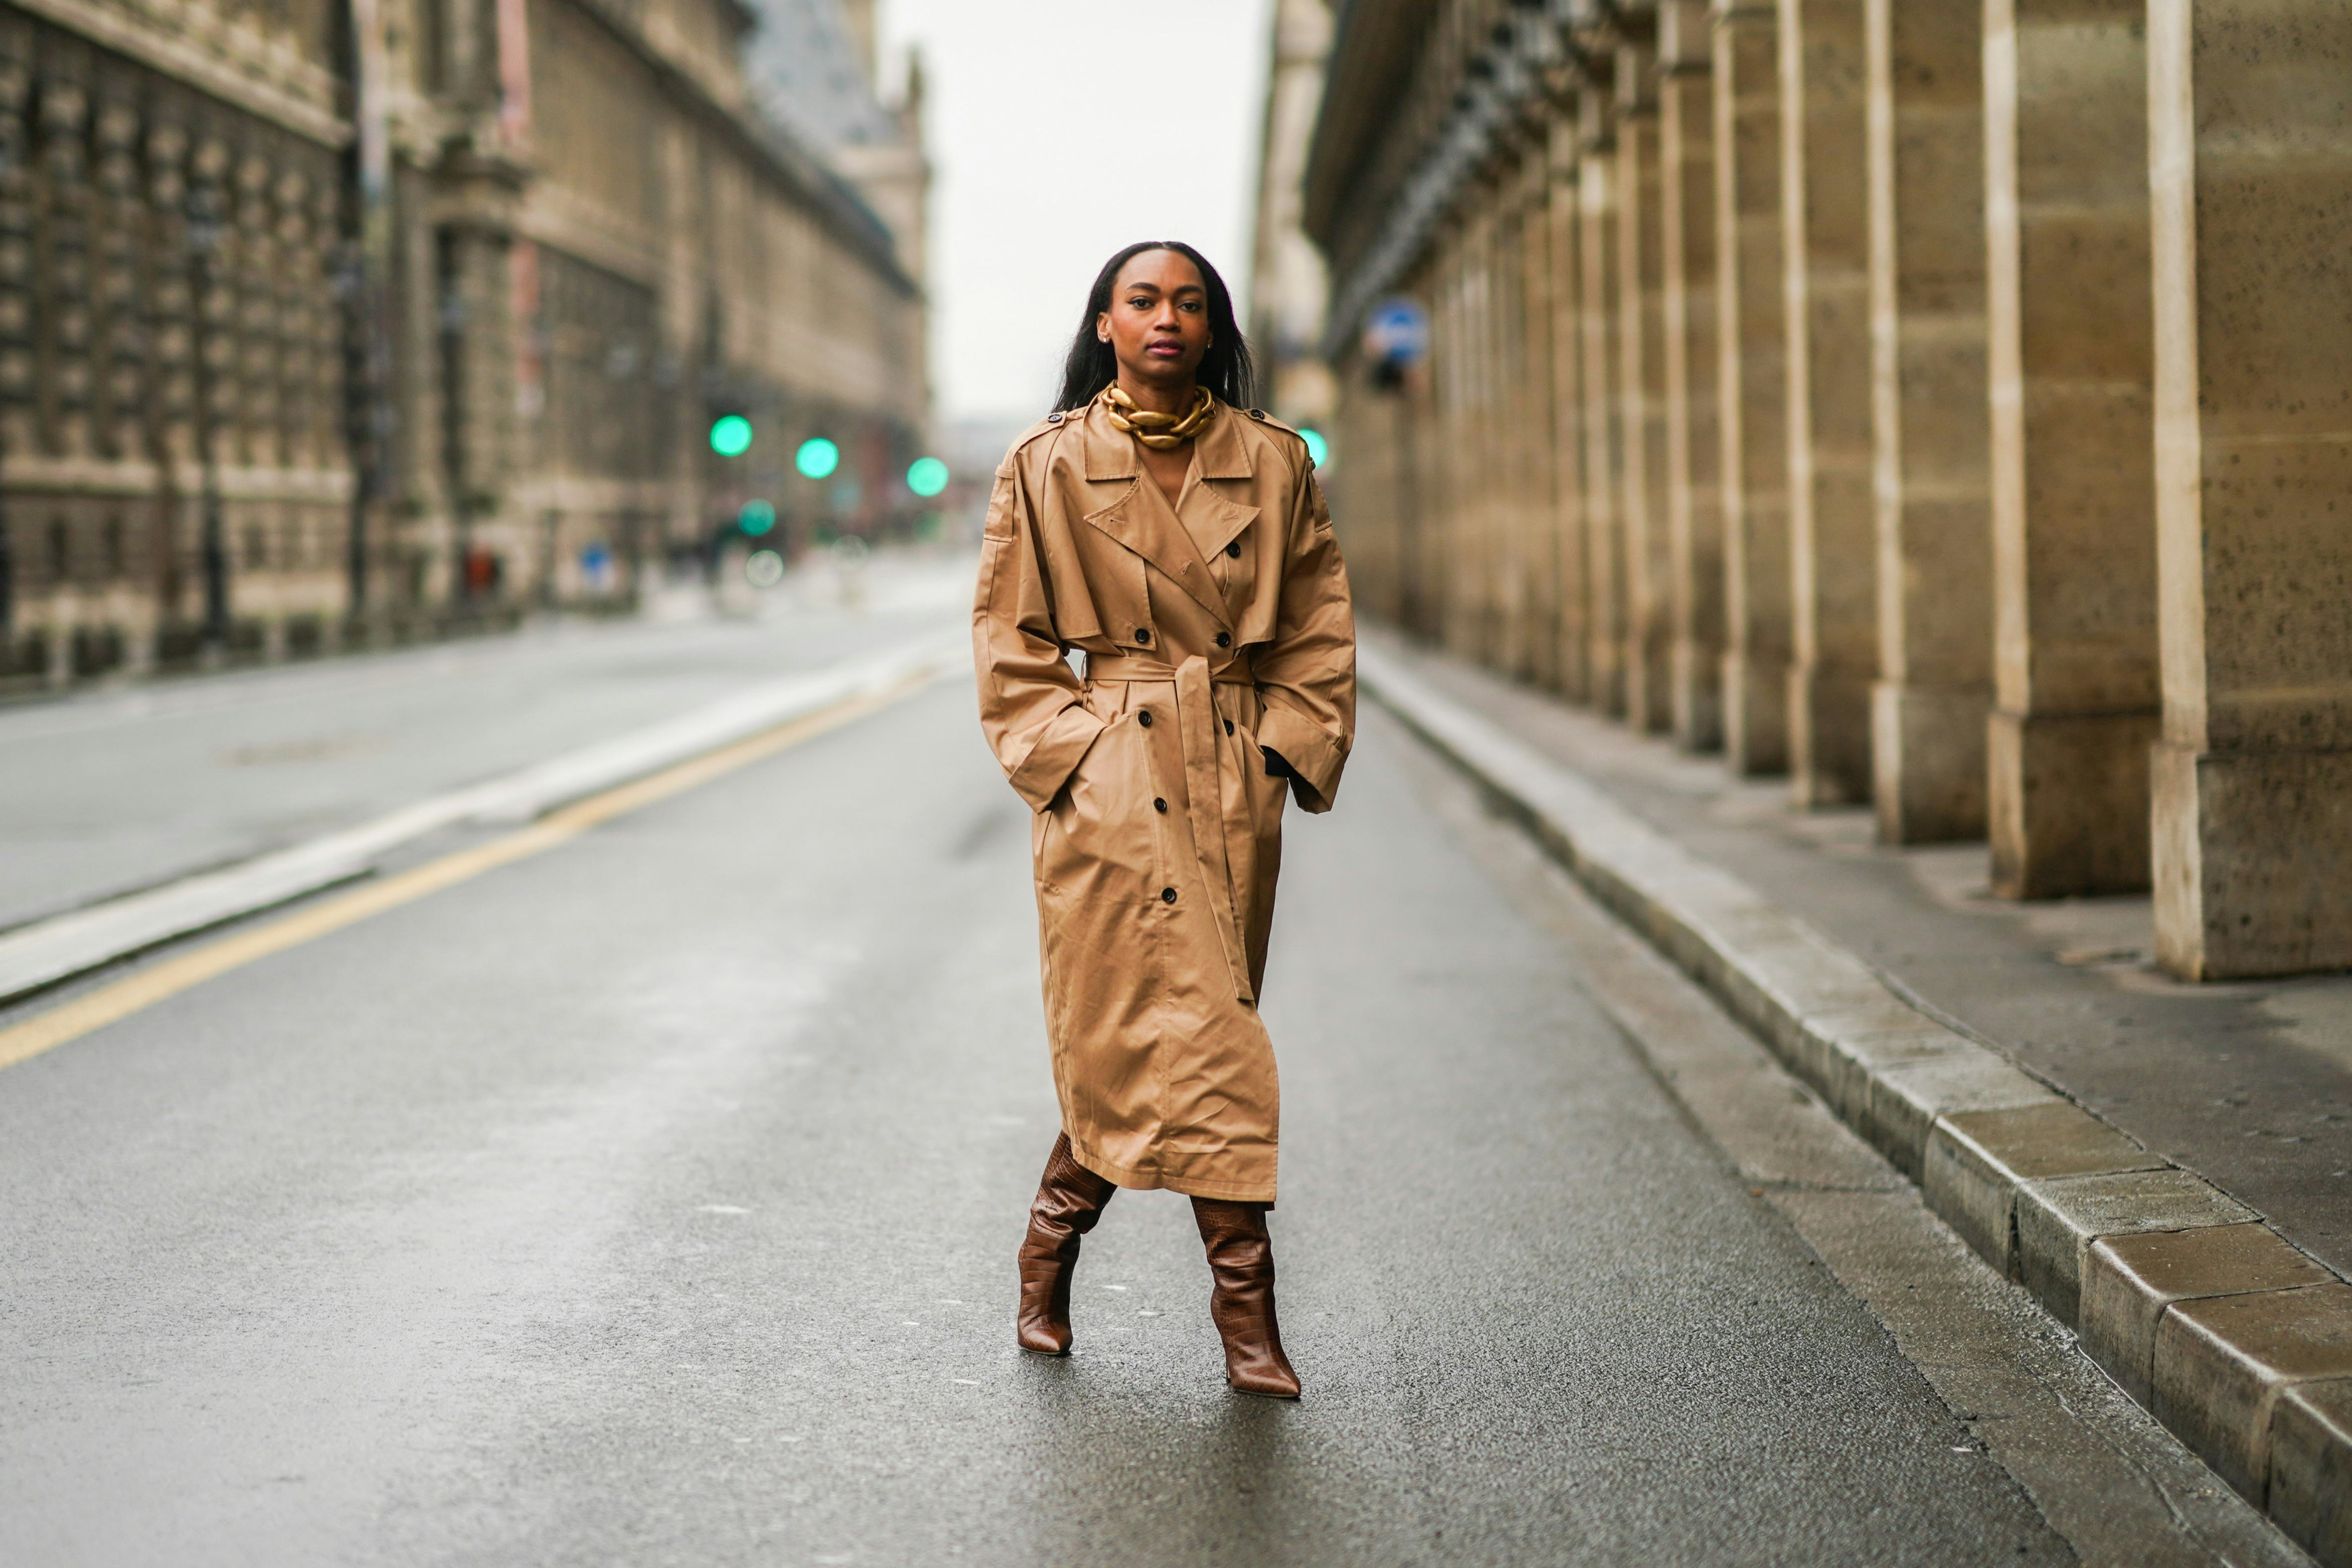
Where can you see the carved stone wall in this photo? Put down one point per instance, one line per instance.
(243, 414)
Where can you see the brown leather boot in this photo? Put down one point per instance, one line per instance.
(1240, 1260)
(1069, 1200)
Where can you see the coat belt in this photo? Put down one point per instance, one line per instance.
(1204, 798)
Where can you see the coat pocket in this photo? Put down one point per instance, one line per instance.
(1098, 841)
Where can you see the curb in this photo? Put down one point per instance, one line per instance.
(47, 952)
(2233, 1338)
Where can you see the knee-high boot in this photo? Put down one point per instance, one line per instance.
(1069, 1200)
(1240, 1261)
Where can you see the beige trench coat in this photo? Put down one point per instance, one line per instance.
(1211, 628)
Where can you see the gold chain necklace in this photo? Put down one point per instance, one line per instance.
(1160, 432)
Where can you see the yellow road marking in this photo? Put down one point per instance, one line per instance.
(135, 993)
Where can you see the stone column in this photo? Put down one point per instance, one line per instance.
(1752, 373)
(1597, 197)
(1473, 471)
(1930, 425)
(1833, 542)
(1572, 631)
(2069, 327)
(1642, 384)
(1490, 425)
(1516, 458)
(2250, 163)
(1447, 507)
(1533, 431)
(1694, 442)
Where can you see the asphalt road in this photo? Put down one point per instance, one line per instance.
(654, 1200)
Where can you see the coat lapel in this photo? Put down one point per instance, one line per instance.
(1140, 517)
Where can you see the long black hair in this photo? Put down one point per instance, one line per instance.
(1227, 369)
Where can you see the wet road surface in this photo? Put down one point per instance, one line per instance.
(654, 1200)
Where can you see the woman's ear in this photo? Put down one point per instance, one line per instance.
(1102, 326)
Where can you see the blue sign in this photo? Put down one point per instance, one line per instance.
(1397, 332)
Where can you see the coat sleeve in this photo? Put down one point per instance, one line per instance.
(1306, 676)
(1032, 707)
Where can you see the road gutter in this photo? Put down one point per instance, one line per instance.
(2236, 1340)
(49, 952)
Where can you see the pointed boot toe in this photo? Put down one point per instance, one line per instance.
(1042, 1338)
(1270, 1380)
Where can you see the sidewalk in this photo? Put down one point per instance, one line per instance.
(2163, 1167)
(109, 792)
(2250, 1086)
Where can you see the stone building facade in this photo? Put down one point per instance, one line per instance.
(324, 319)
(1287, 285)
(1948, 407)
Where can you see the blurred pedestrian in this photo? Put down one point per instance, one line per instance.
(1175, 538)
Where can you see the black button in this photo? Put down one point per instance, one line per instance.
(1143, 636)
(1159, 806)
(1233, 548)
(1229, 727)
(1224, 640)
(1055, 417)
(1144, 719)
(1167, 895)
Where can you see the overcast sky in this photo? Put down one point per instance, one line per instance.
(1060, 131)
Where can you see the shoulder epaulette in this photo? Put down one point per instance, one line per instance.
(1046, 426)
(1271, 422)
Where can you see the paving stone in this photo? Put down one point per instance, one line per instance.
(2222, 1363)
(2129, 1280)
(2311, 1466)
(1976, 1161)
(1906, 1100)
(2058, 1218)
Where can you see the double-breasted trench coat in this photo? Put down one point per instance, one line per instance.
(1213, 630)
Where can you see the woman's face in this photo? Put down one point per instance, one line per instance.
(1157, 323)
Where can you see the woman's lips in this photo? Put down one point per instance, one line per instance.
(1165, 348)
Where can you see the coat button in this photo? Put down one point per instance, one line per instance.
(1143, 636)
(1160, 805)
(1224, 640)
(1167, 895)
(1055, 417)
(1233, 548)
(1144, 719)
(1229, 727)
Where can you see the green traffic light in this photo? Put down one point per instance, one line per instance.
(817, 457)
(730, 436)
(756, 517)
(927, 477)
(1317, 449)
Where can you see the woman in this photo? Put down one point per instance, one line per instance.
(1181, 545)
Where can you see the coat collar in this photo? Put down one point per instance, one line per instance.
(1221, 450)
(1145, 523)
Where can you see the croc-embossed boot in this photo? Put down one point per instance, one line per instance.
(1069, 1200)
(1240, 1261)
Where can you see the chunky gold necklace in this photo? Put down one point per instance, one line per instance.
(1160, 432)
